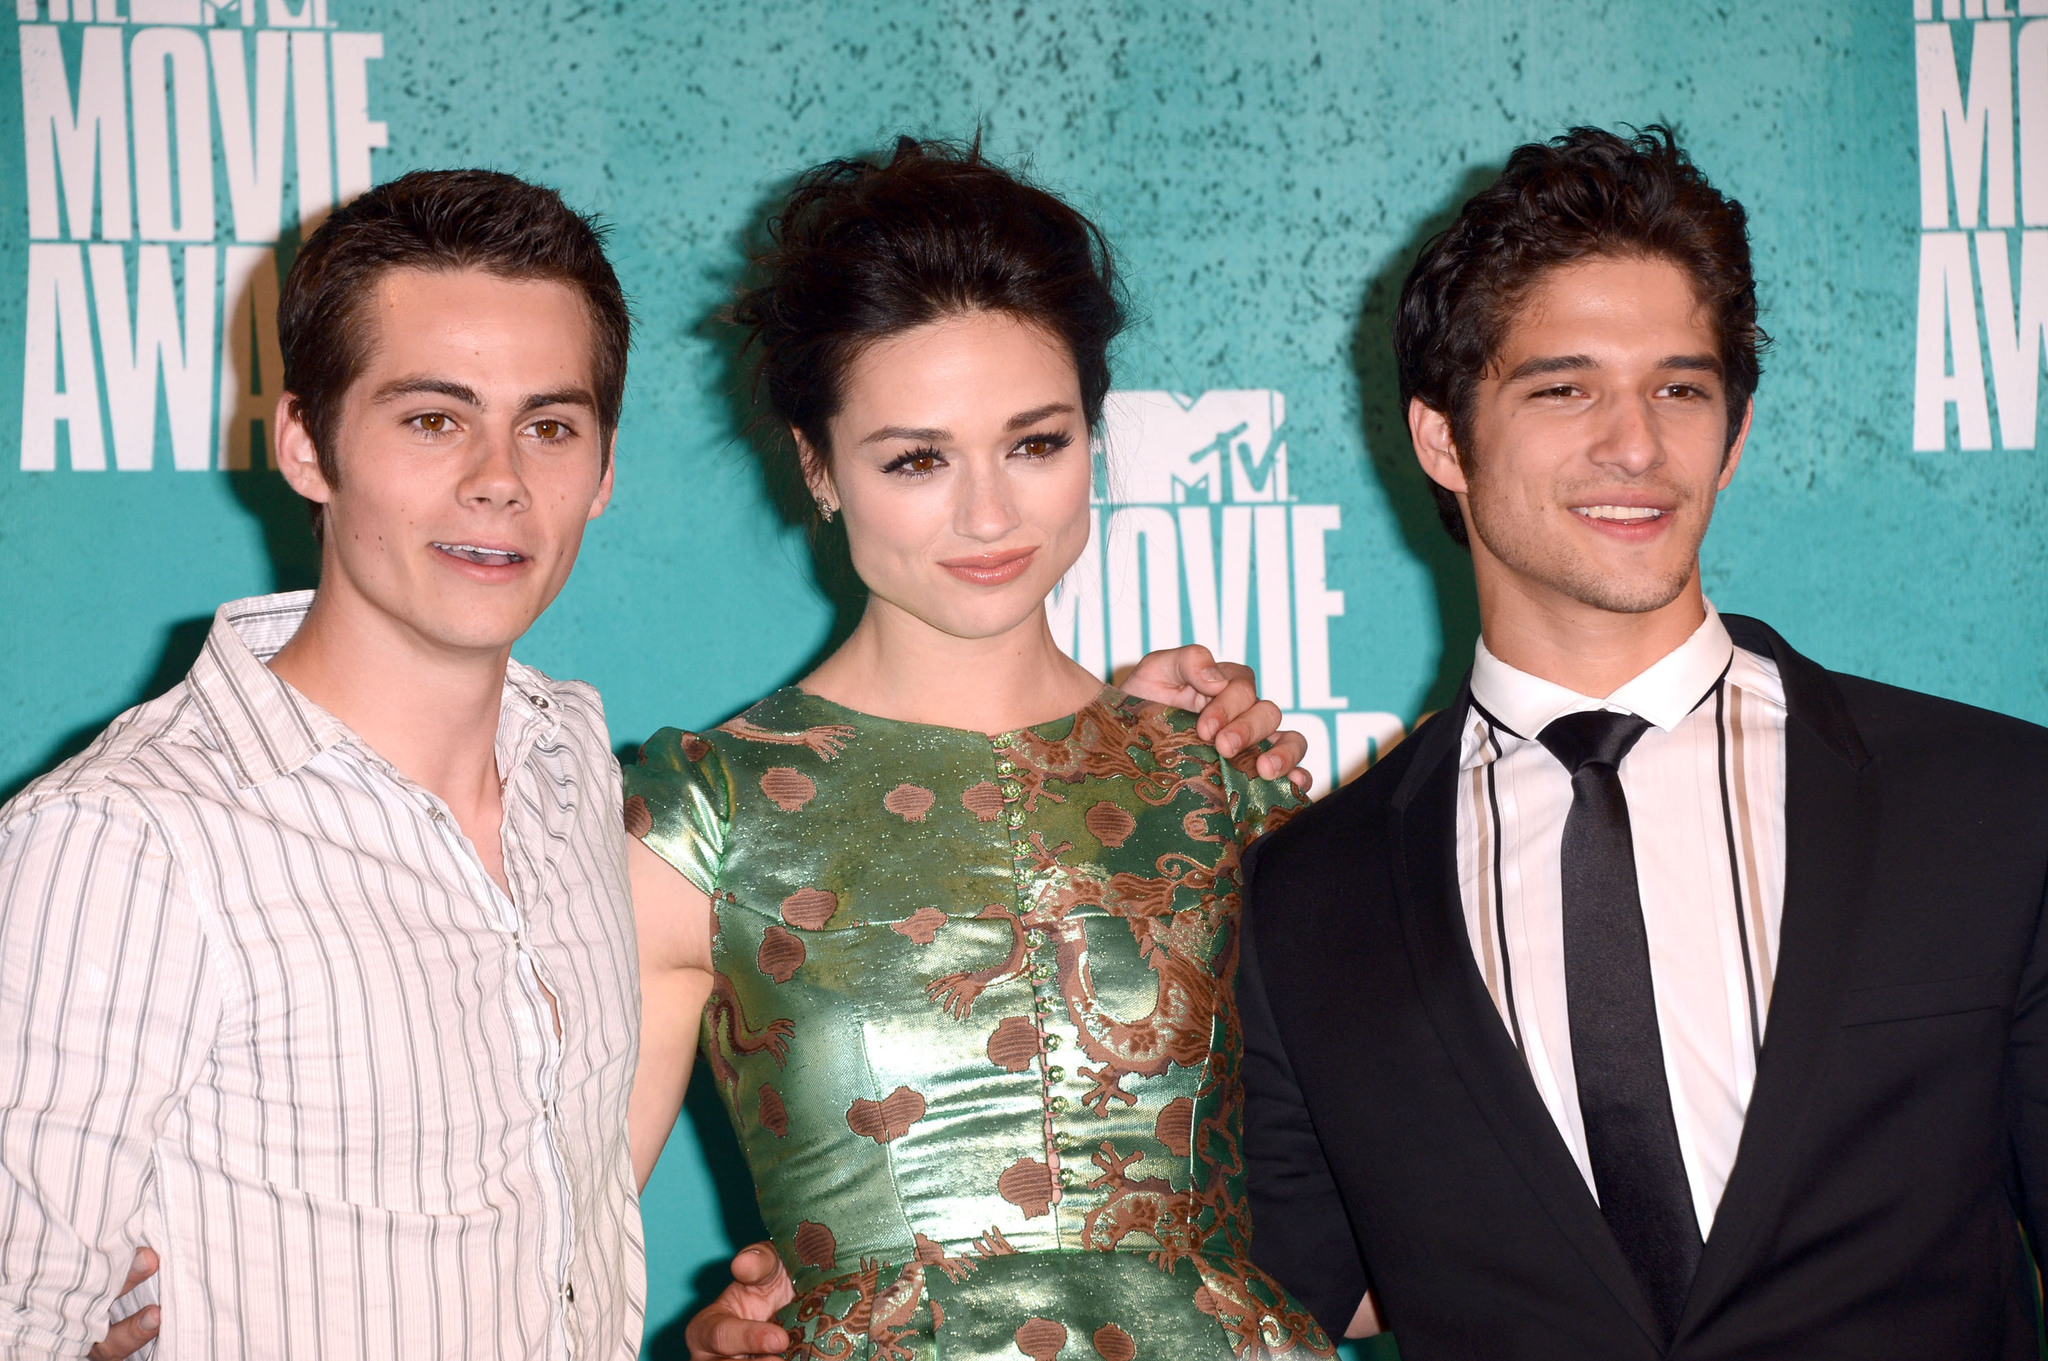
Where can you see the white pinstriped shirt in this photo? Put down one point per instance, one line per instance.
(1706, 801)
(267, 1013)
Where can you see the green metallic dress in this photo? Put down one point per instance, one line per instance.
(973, 1023)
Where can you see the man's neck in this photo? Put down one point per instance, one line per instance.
(897, 666)
(429, 711)
(1585, 649)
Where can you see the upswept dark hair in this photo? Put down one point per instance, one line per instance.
(438, 220)
(1587, 193)
(863, 251)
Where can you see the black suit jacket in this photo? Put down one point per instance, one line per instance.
(1897, 1135)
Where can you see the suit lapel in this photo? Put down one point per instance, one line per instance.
(1830, 819)
(1468, 1023)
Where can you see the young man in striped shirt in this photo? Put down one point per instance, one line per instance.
(319, 971)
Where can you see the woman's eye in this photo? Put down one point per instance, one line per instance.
(916, 463)
(1041, 446)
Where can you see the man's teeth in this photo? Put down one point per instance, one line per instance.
(485, 557)
(1624, 513)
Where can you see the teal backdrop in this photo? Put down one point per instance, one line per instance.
(1267, 170)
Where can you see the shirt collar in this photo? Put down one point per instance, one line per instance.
(268, 729)
(1662, 695)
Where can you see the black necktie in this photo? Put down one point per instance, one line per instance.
(1617, 1054)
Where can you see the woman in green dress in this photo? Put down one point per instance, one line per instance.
(961, 921)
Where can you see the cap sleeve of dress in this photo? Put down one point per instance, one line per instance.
(1257, 805)
(679, 801)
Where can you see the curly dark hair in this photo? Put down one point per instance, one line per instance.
(1587, 193)
(863, 251)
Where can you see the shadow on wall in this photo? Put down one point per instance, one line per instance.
(287, 539)
(739, 1215)
(1392, 456)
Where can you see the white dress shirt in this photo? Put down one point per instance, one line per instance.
(1706, 800)
(267, 1013)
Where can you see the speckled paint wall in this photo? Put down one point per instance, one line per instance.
(1267, 170)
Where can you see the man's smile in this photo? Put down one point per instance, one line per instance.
(483, 555)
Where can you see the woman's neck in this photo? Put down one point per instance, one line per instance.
(899, 667)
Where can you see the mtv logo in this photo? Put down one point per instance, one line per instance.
(1165, 448)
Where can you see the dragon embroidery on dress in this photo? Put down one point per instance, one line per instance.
(881, 1316)
(884, 1316)
(727, 1032)
(826, 740)
(1177, 1029)
(1245, 1303)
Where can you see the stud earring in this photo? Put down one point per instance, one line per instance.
(826, 510)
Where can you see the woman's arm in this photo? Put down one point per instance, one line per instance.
(673, 917)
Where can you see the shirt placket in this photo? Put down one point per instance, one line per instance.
(537, 1034)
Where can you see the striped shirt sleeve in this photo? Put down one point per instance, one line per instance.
(108, 1005)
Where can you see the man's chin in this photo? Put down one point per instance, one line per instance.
(1619, 593)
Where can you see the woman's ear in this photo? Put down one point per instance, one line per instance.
(817, 473)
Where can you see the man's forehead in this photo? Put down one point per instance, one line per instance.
(491, 329)
(1604, 301)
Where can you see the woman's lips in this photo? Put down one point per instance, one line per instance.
(991, 569)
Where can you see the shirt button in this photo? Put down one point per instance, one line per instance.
(569, 1292)
(539, 701)
(437, 815)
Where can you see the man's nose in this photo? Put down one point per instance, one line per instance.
(494, 477)
(1627, 439)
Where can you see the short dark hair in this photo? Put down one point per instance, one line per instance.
(863, 251)
(438, 220)
(1587, 193)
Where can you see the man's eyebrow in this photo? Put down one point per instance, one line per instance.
(1698, 363)
(1039, 413)
(1551, 363)
(420, 386)
(1573, 363)
(559, 397)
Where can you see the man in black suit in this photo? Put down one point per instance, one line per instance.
(1667, 995)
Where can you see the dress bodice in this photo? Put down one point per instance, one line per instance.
(973, 1007)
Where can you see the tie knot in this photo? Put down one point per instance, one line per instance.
(1595, 737)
